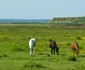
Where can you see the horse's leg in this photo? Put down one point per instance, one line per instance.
(76, 53)
(73, 52)
(54, 50)
(34, 50)
(51, 51)
(31, 51)
(57, 49)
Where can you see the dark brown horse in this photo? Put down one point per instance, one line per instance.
(75, 48)
(54, 47)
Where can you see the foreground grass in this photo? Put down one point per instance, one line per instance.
(14, 51)
(23, 61)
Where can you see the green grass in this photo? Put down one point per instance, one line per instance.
(14, 50)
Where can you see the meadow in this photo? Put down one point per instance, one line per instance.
(14, 49)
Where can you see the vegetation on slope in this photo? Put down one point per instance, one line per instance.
(78, 20)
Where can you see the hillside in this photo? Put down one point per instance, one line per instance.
(79, 20)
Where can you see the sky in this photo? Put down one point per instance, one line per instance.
(41, 9)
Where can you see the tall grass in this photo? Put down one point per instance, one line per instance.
(14, 49)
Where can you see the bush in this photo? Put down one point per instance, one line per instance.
(78, 38)
(16, 49)
(72, 58)
(5, 55)
(33, 66)
(68, 44)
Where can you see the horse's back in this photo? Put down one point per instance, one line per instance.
(32, 42)
(53, 44)
(74, 45)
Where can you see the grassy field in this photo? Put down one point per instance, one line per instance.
(14, 50)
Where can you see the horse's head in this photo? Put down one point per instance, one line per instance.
(77, 52)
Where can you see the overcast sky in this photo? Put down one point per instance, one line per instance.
(41, 9)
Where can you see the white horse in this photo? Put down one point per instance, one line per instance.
(32, 44)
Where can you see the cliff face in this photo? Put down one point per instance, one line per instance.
(68, 20)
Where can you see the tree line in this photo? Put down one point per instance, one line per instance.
(78, 20)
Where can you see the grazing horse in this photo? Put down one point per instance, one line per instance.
(75, 48)
(32, 43)
(54, 47)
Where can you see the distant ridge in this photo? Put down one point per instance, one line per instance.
(78, 20)
(23, 20)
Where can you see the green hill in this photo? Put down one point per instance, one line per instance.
(79, 20)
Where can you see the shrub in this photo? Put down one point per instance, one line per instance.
(78, 38)
(72, 58)
(16, 49)
(68, 44)
(5, 55)
(33, 66)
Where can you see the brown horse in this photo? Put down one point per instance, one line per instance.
(54, 47)
(75, 48)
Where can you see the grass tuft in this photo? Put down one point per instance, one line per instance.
(72, 58)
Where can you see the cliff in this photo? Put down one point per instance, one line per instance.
(68, 20)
